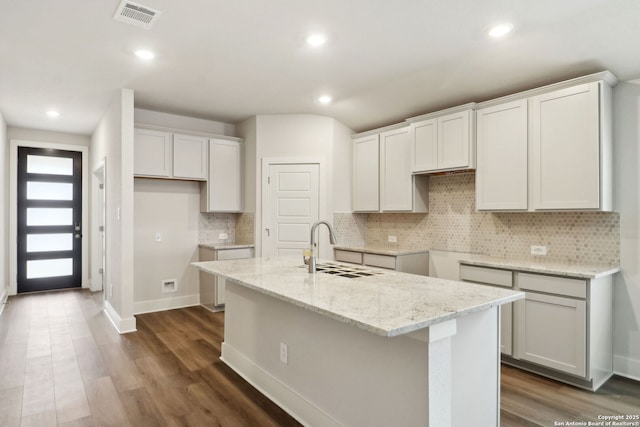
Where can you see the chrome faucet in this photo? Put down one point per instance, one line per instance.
(311, 253)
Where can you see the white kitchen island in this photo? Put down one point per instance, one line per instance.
(389, 349)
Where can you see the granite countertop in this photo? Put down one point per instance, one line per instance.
(389, 303)
(581, 271)
(222, 246)
(381, 250)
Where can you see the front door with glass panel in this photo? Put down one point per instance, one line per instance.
(49, 219)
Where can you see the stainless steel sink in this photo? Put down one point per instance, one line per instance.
(344, 271)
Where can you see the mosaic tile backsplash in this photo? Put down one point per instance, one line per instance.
(452, 224)
(244, 228)
(350, 228)
(210, 225)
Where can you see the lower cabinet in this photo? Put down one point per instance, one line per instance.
(563, 328)
(552, 332)
(415, 263)
(212, 288)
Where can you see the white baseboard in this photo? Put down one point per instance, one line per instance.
(4, 295)
(626, 367)
(165, 304)
(282, 395)
(123, 326)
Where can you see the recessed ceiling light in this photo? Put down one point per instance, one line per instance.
(316, 39)
(145, 54)
(500, 30)
(325, 99)
(53, 114)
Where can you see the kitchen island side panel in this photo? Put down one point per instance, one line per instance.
(337, 374)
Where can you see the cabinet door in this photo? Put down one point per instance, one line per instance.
(565, 131)
(152, 153)
(454, 139)
(501, 174)
(424, 144)
(190, 157)
(551, 332)
(366, 174)
(224, 186)
(395, 171)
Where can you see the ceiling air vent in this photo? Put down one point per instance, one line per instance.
(136, 14)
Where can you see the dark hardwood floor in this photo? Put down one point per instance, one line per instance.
(63, 364)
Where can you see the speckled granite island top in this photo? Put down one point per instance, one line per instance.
(580, 271)
(389, 303)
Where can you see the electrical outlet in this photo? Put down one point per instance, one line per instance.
(158, 237)
(538, 250)
(392, 239)
(223, 236)
(284, 353)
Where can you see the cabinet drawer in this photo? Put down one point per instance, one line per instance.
(384, 261)
(348, 256)
(552, 285)
(226, 254)
(490, 276)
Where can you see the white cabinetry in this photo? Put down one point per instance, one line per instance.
(190, 157)
(562, 329)
(160, 154)
(366, 173)
(212, 288)
(415, 263)
(501, 175)
(443, 141)
(152, 153)
(382, 178)
(552, 332)
(395, 171)
(548, 148)
(568, 148)
(223, 190)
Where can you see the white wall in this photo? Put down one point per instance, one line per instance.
(298, 136)
(627, 201)
(170, 208)
(175, 121)
(48, 136)
(4, 209)
(112, 141)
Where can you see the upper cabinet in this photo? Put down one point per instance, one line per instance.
(197, 157)
(190, 157)
(152, 153)
(223, 189)
(443, 141)
(569, 149)
(501, 174)
(382, 174)
(160, 154)
(366, 173)
(395, 171)
(547, 149)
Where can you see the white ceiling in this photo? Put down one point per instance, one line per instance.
(230, 59)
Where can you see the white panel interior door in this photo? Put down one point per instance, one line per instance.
(293, 207)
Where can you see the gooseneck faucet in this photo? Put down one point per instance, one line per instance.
(312, 255)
